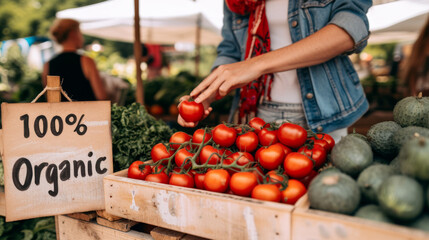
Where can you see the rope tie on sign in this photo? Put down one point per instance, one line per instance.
(52, 89)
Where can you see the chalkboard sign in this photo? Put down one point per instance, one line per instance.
(55, 156)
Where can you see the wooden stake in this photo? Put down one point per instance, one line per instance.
(53, 95)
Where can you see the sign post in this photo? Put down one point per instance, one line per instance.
(55, 156)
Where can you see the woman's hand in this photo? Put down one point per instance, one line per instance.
(226, 78)
(207, 110)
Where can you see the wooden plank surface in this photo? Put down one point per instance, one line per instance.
(2, 202)
(106, 215)
(122, 224)
(196, 212)
(309, 224)
(166, 234)
(72, 229)
(85, 216)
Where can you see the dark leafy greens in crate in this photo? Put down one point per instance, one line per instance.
(134, 133)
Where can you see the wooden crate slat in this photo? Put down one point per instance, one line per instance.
(106, 215)
(71, 229)
(165, 234)
(320, 225)
(121, 224)
(196, 212)
(85, 216)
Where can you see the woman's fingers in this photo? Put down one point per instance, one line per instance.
(204, 84)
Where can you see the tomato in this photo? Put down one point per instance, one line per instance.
(285, 149)
(247, 142)
(182, 180)
(267, 192)
(258, 173)
(191, 111)
(217, 180)
(274, 177)
(184, 155)
(173, 110)
(242, 183)
(199, 180)
(240, 158)
(135, 172)
(267, 137)
(224, 136)
(294, 191)
(328, 138)
(292, 135)
(198, 136)
(257, 124)
(209, 155)
(161, 177)
(317, 153)
(156, 110)
(322, 143)
(179, 138)
(297, 165)
(270, 157)
(159, 152)
(307, 179)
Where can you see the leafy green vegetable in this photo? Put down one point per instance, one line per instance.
(134, 133)
(32, 229)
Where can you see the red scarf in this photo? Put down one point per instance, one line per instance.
(258, 42)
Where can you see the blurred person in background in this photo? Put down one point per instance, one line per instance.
(79, 76)
(417, 65)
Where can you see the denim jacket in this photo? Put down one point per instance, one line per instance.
(332, 95)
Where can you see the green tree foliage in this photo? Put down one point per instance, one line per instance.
(23, 18)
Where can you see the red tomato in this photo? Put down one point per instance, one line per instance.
(292, 135)
(240, 158)
(179, 138)
(135, 172)
(247, 142)
(198, 135)
(285, 149)
(257, 124)
(224, 136)
(242, 183)
(317, 153)
(161, 177)
(297, 165)
(267, 137)
(294, 191)
(328, 139)
(270, 157)
(267, 192)
(307, 179)
(199, 180)
(277, 178)
(159, 152)
(217, 180)
(182, 180)
(191, 111)
(183, 155)
(209, 154)
(258, 173)
(322, 143)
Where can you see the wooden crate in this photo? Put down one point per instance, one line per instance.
(2, 202)
(197, 212)
(71, 228)
(315, 224)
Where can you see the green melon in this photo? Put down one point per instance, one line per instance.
(401, 197)
(370, 179)
(380, 137)
(411, 111)
(372, 212)
(334, 192)
(351, 155)
(421, 223)
(394, 164)
(414, 158)
(404, 135)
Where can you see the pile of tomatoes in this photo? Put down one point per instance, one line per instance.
(260, 160)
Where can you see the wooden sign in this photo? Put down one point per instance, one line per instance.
(55, 156)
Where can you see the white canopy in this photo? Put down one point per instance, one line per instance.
(398, 20)
(161, 21)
